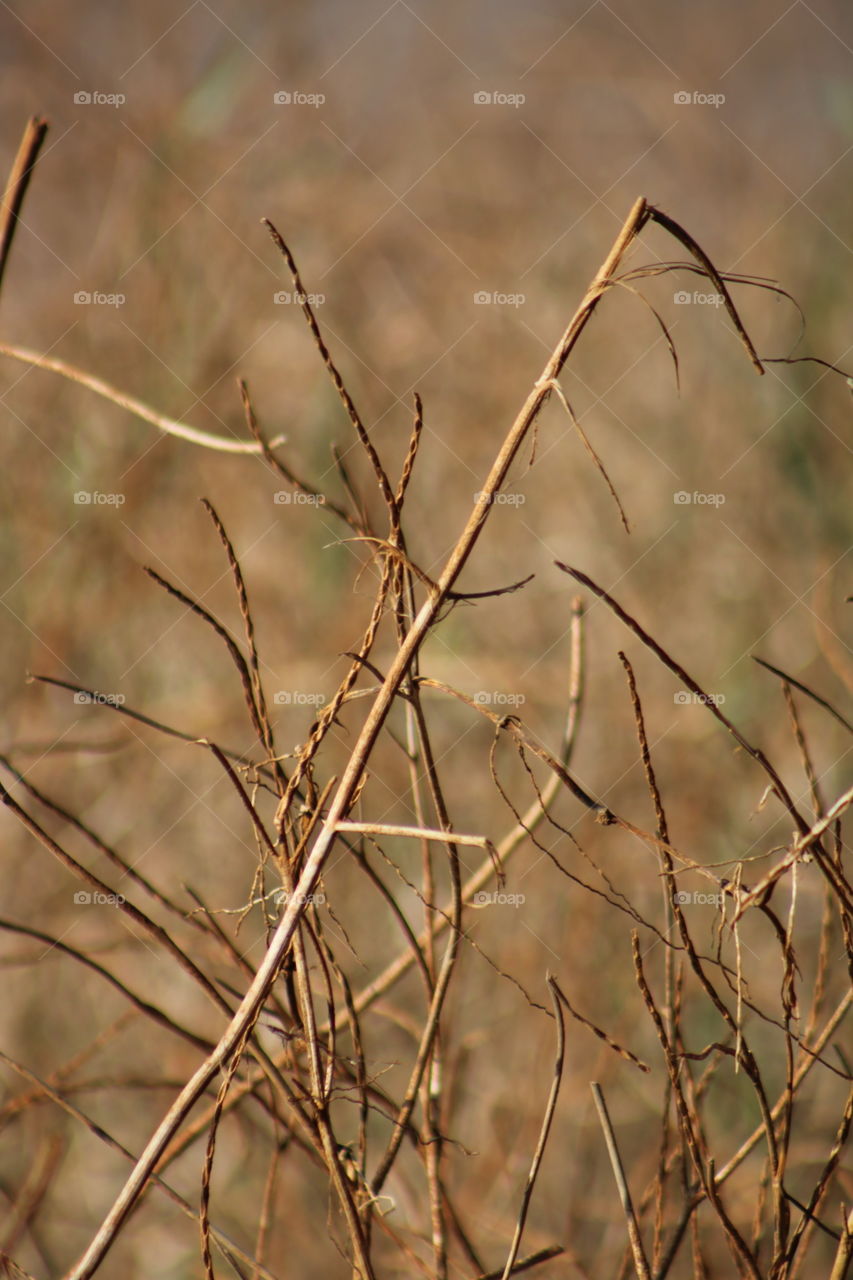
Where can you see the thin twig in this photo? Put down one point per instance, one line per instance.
(640, 1262)
(547, 1119)
(16, 185)
(169, 426)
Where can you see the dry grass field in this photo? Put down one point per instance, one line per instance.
(427, 681)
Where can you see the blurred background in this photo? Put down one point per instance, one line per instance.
(449, 180)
